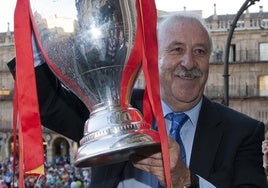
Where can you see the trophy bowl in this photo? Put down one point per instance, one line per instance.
(94, 48)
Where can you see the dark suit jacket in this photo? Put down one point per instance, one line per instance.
(226, 149)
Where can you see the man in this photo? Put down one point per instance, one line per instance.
(222, 146)
(121, 51)
(265, 154)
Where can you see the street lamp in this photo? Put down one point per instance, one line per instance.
(226, 75)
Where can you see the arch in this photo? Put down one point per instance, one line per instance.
(3, 146)
(61, 151)
(10, 146)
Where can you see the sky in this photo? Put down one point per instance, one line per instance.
(207, 7)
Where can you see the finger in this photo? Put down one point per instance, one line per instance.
(153, 160)
(265, 142)
(154, 169)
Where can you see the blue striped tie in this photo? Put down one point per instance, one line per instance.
(178, 121)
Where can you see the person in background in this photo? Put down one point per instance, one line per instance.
(265, 155)
(111, 47)
(222, 146)
(121, 51)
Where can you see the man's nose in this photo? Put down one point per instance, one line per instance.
(188, 61)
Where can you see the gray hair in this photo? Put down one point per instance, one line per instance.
(172, 17)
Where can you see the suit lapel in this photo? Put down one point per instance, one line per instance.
(206, 140)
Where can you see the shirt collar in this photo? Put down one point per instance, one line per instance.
(193, 113)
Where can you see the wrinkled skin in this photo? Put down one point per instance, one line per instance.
(184, 46)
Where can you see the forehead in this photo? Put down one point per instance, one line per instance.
(183, 30)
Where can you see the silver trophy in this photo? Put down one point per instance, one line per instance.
(89, 44)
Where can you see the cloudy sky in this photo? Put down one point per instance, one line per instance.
(207, 6)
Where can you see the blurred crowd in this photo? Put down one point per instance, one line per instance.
(60, 174)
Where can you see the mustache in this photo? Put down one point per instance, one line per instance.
(193, 73)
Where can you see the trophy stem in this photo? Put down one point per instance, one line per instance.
(113, 134)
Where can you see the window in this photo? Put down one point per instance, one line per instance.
(264, 23)
(232, 53)
(263, 51)
(263, 85)
(255, 23)
(263, 116)
(240, 24)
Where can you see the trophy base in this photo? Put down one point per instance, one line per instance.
(117, 148)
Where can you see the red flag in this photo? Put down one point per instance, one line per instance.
(27, 112)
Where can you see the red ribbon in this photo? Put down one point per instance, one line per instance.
(150, 69)
(15, 107)
(27, 111)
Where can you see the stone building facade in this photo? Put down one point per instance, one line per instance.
(248, 80)
(248, 62)
(6, 93)
(55, 145)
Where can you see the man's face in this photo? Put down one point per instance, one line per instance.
(184, 50)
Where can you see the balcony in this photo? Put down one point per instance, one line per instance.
(240, 56)
(235, 91)
(6, 94)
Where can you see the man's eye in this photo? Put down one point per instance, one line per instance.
(176, 51)
(200, 52)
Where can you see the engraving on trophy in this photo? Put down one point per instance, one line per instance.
(119, 117)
